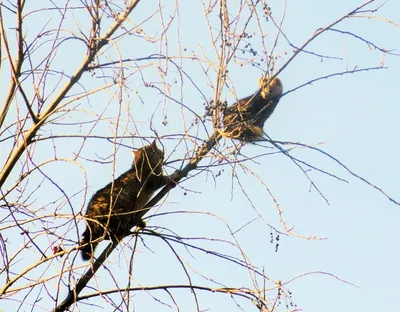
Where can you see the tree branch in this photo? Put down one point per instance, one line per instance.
(94, 47)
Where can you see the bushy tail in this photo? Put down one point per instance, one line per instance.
(87, 250)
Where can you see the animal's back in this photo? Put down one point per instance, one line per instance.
(245, 119)
(111, 212)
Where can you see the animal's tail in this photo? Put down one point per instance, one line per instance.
(87, 249)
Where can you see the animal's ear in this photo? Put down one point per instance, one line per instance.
(154, 144)
(136, 153)
(262, 82)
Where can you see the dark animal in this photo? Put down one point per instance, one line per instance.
(111, 212)
(245, 119)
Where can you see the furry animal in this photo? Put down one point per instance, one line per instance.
(245, 119)
(111, 211)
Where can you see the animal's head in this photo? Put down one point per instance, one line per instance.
(150, 154)
(273, 89)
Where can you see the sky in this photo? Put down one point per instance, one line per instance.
(343, 253)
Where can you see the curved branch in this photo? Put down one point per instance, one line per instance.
(94, 47)
(174, 179)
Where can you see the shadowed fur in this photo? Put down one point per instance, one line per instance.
(245, 119)
(111, 211)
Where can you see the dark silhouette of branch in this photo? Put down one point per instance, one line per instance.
(94, 46)
(82, 282)
(175, 178)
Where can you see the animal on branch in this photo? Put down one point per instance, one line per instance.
(112, 211)
(244, 120)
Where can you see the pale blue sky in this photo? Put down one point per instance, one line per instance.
(355, 117)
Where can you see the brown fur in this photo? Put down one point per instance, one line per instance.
(245, 119)
(111, 214)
